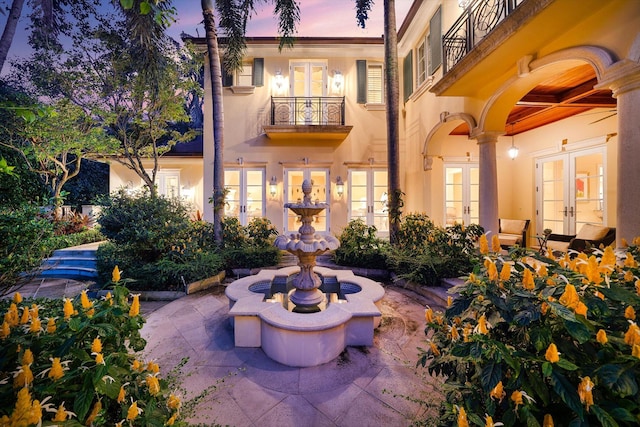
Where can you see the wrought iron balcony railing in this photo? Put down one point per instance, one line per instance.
(314, 110)
(477, 20)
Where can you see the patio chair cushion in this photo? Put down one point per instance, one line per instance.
(513, 232)
(592, 232)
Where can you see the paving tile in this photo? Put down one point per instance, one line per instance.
(336, 402)
(295, 411)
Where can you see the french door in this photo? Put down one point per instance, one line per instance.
(245, 197)
(368, 197)
(308, 80)
(462, 193)
(570, 190)
(319, 193)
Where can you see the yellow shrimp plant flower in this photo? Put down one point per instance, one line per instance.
(601, 337)
(552, 354)
(585, 392)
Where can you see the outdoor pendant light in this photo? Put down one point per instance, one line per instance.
(513, 151)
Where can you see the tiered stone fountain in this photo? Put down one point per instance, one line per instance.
(304, 316)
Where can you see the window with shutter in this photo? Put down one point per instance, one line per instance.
(258, 72)
(421, 62)
(407, 71)
(435, 41)
(361, 74)
(375, 85)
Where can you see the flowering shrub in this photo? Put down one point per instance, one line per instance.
(359, 246)
(541, 341)
(71, 362)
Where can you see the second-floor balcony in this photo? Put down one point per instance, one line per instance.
(304, 118)
(479, 18)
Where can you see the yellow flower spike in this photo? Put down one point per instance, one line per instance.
(629, 261)
(542, 271)
(527, 280)
(153, 367)
(5, 331)
(68, 309)
(115, 274)
(552, 354)
(35, 326)
(483, 244)
(601, 337)
(498, 392)
(570, 297)
(488, 421)
(96, 345)
(434, 349)
(630, 313)
(171, 421)
(133, 411)
(97, 407)
(17, 298)
(482, 326)
(109, 298)
(628, 276)
(121, 395)
(492, 271)
(428, 315)
(56, 372)
(449, 301)
(495, 243)
(11, 316)
(34, 311)
(61, 414)
(638, 287)
(99, 359)
(585, 392)
(635, 351)
(632, 336)
(51, 325)
(609, 259)
(505, 273)
(27, 357)
(581, 309)
(548, 421)
(24, 377)
(462, 418)
(173, 402)
(135, 306)
(25, 316)
(153, 384)
(486, 263)
(455, 335)
(84, 300)
(516, 397)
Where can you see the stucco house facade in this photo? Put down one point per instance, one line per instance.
(558, 79)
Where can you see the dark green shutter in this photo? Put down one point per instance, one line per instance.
(407, 73)
(258, 72)
(361, 72)
(227, 79)
(435, 41)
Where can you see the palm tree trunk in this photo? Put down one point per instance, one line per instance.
(393, 134)
(10, 30)
(215, 71)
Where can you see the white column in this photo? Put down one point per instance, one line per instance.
(623, 78)
(488, 175)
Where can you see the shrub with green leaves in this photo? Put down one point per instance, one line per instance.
(148, 225)
(249, 246)
(360, 247)
(539, 341)
(426, 253)
(73, 362)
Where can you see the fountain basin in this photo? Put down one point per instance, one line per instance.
(304, 339)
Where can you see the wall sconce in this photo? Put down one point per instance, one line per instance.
(279, 79)
(273, 186)
(513, 151)
(339, 187)
(338, 79)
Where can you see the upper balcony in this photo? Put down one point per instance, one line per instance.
(304, 118)
(488, 39)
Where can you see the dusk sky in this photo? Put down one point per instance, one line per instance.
(317, 18)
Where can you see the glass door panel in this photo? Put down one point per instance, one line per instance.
(554, 211)
(319, 193)
(245, 197)
(368, 197)
(255, 190)
(462, 194)
(232, 199)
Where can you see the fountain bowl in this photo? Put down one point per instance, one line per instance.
(308, 339)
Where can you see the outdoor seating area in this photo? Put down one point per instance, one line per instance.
(589, 236)
(513, 232)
